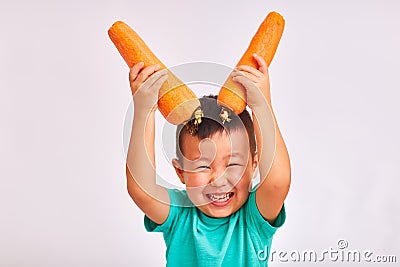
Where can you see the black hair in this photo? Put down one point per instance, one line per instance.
(212, 122)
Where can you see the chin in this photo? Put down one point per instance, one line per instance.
(218, 208)
(218, 212)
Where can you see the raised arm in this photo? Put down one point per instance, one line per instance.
(275, 182)
(151, 198)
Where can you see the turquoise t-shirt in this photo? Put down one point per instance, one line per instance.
(195, 239)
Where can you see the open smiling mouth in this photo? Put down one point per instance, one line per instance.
(220, 198)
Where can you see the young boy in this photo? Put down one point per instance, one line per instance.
(218, 220)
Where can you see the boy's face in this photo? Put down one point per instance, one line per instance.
(217, 171)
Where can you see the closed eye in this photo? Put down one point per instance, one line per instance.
(233, 164)
(203, 167)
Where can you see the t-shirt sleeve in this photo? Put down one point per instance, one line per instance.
(254, 217)
(178, 199)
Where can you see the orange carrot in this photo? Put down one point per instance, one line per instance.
(264, 43)
(176, 101)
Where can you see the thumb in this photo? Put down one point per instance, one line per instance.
(262, 65)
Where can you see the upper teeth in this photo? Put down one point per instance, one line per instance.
(219, 197)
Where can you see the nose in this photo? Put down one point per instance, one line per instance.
(219, 179)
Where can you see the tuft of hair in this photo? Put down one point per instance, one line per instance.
(212, 123)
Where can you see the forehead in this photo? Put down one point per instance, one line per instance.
(220, 144)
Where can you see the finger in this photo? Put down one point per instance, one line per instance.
(247, 83)
(146, 72)
(262, 65)
(250, 69)
(134, 71)
(250, 76)
(154, 77)
(158, 83)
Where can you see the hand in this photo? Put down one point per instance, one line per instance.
(255, 81)
(145, 84)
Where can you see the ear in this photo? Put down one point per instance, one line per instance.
(178, 169)
(255, 165)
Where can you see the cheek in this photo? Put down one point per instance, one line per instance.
(195, 184)
(241, 178)
(197, 180)
(235, 174)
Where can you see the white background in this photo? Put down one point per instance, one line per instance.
(65, 95)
